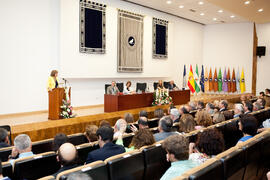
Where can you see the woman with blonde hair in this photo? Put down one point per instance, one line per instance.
(186, 123)
(218, 117)
(203, 119)
(52, 80)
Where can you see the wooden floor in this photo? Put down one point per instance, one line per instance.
(42, 116)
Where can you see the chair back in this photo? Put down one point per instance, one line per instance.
(42, 146)
(77, 139)
(7, 169)
(4, 153)
(106, 86)
(120, 86)
(166, 84)
(84, 149)
(155, 84)
(140, 87)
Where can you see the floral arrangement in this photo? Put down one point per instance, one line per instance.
(161, 97)
(67, 109)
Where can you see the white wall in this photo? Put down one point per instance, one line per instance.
(229, 45)
(263, 63)
(39, 35)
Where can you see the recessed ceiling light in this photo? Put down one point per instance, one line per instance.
(214, 19)
(247, 2)
(260, 10)
(220, 11)
(181, 6)
(200, 3)
(169, 2)
(202, 14)
(232, 16)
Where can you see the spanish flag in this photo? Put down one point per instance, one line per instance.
(242, 82)
(191, 81)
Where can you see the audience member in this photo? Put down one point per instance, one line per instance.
(58, 140)
(218, 117)
(248, 125)
(1, 173)
(104, 123)
(209, 143)
(183, 110)
(143, 137)
(243, 98)
(261, 94)
(177, 150)
(223, 105)
(200, 105)
(119, 128)
(186, 123)
(203, 119)
(210, 108)
(107, 148)
(256, 106)
(174, 114)
(238, 110)
(4, 139)
(248, 107)
(158, 113)
(228, 114)
(143, 113)
(165, 128)
(262, 102)
(112, 89)
(216, 103)
(67, 157)
(169, 109)
(129, 118)
(90, 133)
(22, 147)
(79, 176)
(193, 105)
(142, 123)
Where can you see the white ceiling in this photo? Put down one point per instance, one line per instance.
(210, 10)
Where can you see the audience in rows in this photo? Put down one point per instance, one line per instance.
(218, 117)
(238, 110)
(158, 113)
(203, 119)
(90, 133)
(58, 140)
(4, 139)
(165, 128)
(175, 115)
(1, 173)
(248, 125)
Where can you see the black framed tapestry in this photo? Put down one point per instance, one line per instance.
(160, 38)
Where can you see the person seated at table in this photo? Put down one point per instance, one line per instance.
(113, 89)
(160, 84)
(172, 86)
(128, 89)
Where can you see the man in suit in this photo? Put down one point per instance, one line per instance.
(4, 140)
(164, 128)
(172, 86)
(107, 148)
(223, 106)
(112, 89)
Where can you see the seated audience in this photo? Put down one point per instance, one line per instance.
(228, 114)
(67, 157)
(158, 113)
(261, 94)
(165, 128)
(174, 114)
(192, 105)
(107, 148)
(104, 123)
(79, 176)
(218, 117)
(4, 139)
(142, 123)
(210, 108)
(200, 105)
(113, 89)
(256, 106)
(128, 89)
(22, 148)
(129, 118)
(216, 104)
(209, 143)
(1, 173)
(143, 137)
(172, 86)
(262, 102)
(223, 105)
(90, 133)
(248, 107)
(238, 110)
(119, 127)
(58, 140)
(177, 150)
(248, 125)
(203, 119)
(243, 98)
(143, 113)
(186, 123)
(183, 110)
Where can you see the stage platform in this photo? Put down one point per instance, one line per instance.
(37, 125)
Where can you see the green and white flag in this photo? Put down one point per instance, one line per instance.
(197, 80)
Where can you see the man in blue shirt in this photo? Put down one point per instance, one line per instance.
(177, 148)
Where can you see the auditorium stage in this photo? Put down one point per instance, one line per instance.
(42, 116)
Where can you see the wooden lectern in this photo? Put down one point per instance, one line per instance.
(56, 97)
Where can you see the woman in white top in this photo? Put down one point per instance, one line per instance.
(128, 89)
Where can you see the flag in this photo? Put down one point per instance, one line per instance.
(184, 78)
(191, 81)
(202, 80)
(219, 80)
(229, 80)
(206, 81)
(215, 81)
(238, 81)
(233, 83)
(210, 80)
(242, 82)
(224, 84)
(197, 87)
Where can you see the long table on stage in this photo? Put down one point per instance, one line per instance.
(114, 103)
